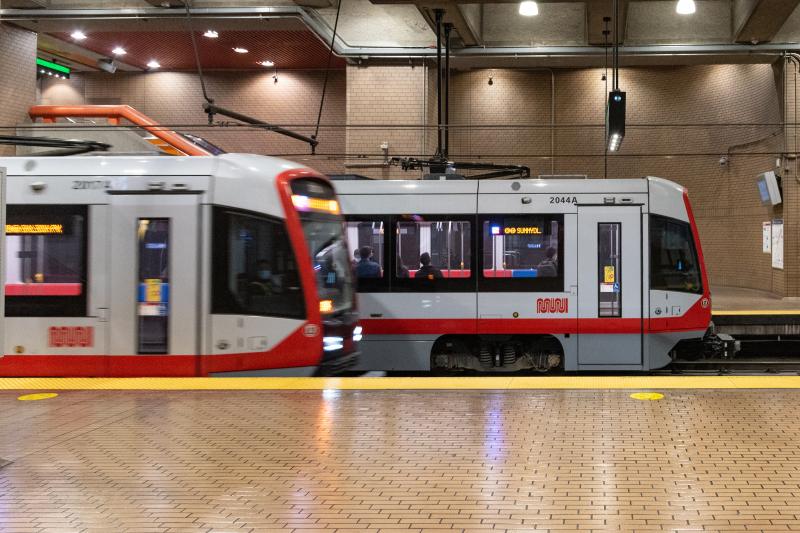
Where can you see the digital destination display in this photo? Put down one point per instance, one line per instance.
(34, 229)
(522, 230)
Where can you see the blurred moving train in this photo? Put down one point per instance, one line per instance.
(173, 266)
(525, 274)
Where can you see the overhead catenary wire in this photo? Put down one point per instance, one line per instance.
(327, 69)
(198, 63)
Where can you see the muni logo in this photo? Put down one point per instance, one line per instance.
(552, 305)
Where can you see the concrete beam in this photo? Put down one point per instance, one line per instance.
(454, 15)
(595, 11)
(316, 4)
(758, 21)
(26, 4)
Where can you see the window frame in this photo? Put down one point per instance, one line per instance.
(220, 261)
(700, 288)
(382, 284)
(54, 306)
(468, 284)
(549, 284)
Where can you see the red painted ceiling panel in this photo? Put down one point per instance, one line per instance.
(173, 49)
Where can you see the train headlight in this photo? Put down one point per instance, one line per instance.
(330, 344)
(326, 306)
(357, 333)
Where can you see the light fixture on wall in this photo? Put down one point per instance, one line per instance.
(528, 8)
(78, 35)
(240, 50)
(153, 64)
(211, 34)
(267, 63)
(685, 7)
(51, 69)
(118, 51)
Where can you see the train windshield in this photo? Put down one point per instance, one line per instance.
(673, 256)
(323, 227)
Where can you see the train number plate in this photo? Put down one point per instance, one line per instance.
(563, 200)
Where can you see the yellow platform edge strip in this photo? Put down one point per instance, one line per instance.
(406, 383)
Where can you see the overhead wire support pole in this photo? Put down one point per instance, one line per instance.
(447, 29)
(438, 15)
(197, 58)
(327, 73)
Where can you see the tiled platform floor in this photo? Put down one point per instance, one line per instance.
(352, 460)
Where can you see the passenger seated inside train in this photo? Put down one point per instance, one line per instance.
(427, 271)
(366, 266)
(548, 267)
(265, 281)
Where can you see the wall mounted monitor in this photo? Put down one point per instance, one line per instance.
(769, 188)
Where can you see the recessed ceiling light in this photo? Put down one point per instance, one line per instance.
(153, 64)
(211, 34)
(119, 51)
(240, 50)
(267, 63)
(78, 35)
(685, 7)
(528, 9)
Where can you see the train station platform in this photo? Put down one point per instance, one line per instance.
(756, 318)
(632, 453)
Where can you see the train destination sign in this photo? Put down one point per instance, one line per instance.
(34, 229)
(522, 230)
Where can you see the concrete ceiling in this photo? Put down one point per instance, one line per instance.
(568, 33)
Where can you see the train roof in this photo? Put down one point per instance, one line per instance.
(525, 186)
(228, 165)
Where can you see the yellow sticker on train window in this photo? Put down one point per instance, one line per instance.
(608, 274)
(152, 290)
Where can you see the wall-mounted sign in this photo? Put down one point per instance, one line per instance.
(777, 243)
(766, 237)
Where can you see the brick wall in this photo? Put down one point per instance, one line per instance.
(17, 77)
(381, 102)
(175, 98)
(509, 120)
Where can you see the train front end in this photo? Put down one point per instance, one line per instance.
(316, 207)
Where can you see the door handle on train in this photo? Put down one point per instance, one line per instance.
(376, 315)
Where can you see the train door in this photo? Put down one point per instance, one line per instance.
(610, 287)
(154, 280)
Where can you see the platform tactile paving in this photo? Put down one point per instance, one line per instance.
(411, 461)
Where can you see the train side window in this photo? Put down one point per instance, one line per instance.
(254, 267)
(433, 253)
(522, 253)
(365, 239)
(609, 269)
(46, 260)
(673, 256)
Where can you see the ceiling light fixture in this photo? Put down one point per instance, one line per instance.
(267, 63)
(528, 8)
(118, 51)
(153, 64)
(211, 34)
(685, 7)
(78, 35)
(240, 50)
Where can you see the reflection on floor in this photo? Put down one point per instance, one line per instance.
(369, 461)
